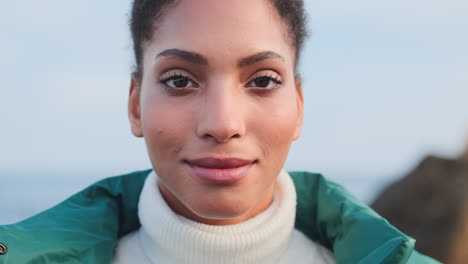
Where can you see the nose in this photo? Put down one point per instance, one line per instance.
(221, 117)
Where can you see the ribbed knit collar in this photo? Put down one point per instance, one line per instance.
(170, 238)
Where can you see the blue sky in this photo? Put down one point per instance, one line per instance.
(385, 84)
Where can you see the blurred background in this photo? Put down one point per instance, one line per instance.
(385, 83)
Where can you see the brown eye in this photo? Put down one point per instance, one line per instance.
(178, 82)
(262, 81)
(266, 82)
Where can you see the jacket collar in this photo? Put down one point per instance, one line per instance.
(86, 227)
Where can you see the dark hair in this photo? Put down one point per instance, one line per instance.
(146, 13)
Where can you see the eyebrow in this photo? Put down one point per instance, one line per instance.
(265, 55)
(189, 56)
(197, 58)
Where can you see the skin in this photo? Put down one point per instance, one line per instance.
(221, 111)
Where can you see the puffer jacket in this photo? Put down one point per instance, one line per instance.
(86, 227)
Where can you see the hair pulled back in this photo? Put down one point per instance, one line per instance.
(146, 14)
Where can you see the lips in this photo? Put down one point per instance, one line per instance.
(215, 170)
(213, 163)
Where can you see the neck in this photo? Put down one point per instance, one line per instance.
(168, 237)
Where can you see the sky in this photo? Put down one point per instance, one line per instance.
(385, 84)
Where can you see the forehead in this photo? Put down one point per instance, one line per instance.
(221, 28)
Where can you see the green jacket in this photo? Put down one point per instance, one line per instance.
(86, 227)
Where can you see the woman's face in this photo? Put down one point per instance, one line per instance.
(219, 106)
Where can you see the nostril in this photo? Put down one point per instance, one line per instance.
(225, 138)
(221, 137)
(221, 128)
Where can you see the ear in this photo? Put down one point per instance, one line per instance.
(134, 112)
(300, 107)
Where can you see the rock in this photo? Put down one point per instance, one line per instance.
(431, 205)
(464, 156)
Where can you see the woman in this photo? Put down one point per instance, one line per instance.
(217, 98)
(218, 114)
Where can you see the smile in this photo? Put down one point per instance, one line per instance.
(215, 170)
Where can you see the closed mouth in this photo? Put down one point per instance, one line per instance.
(220, 163)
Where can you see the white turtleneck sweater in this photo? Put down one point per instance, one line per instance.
(270, 237)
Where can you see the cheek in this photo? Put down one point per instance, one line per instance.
(164, 130)
(275, 126)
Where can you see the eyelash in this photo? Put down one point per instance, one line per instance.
(172, 75)
(272, 77)
(168, 76)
